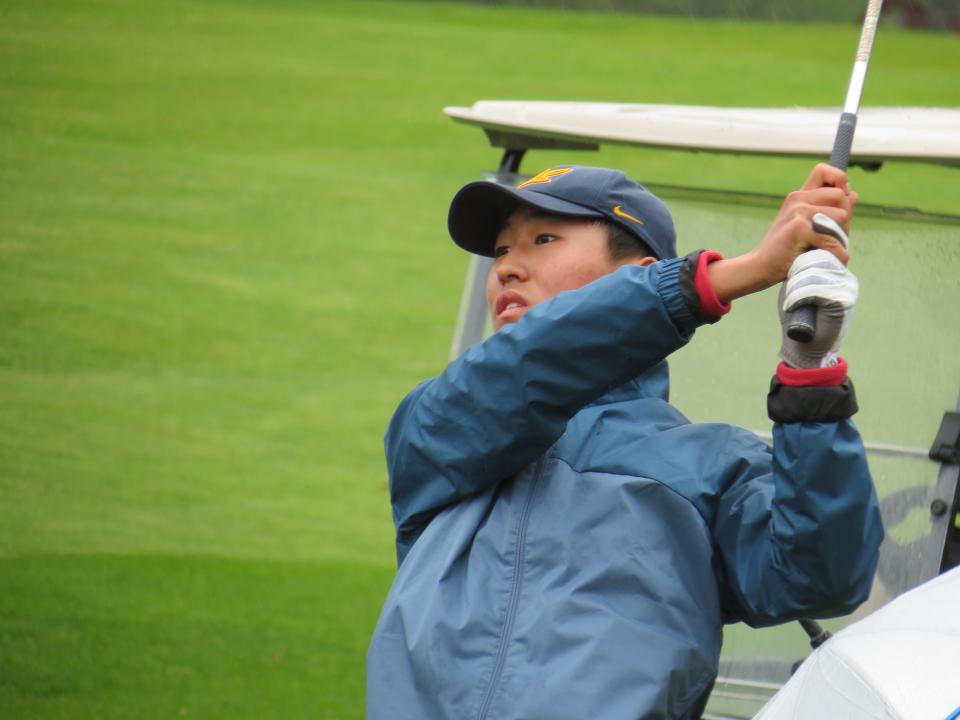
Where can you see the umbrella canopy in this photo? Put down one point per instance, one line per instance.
(901, 662)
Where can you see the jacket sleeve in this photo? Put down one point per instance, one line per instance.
(506, 400)
(799, 533)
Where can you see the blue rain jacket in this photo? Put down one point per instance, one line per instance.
(570, 545)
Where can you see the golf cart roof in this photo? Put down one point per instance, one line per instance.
(883, 133)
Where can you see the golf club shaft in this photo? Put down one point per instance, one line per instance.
(802, 325)
(840, 156)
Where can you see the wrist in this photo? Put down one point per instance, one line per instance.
(735, 277)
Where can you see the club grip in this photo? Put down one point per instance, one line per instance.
(843, 141)
(802, 325)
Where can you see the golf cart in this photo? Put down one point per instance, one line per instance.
(905, 358)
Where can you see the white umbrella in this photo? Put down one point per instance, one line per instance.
(901, 662)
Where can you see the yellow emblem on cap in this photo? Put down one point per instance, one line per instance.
(620, 212)
(542, 178)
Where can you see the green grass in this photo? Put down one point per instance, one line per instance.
(169, 636)
(222, 263)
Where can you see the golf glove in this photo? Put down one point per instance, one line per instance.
(817, 277)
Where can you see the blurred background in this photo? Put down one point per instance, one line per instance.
(920, 14)
(224, 260)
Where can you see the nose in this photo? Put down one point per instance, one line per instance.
(511, 267)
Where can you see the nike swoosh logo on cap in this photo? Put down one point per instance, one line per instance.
(619, 212)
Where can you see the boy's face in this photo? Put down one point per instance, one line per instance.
(537, 256)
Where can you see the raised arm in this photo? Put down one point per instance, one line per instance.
(802, 537)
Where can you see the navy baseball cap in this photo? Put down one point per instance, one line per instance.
(479, 209)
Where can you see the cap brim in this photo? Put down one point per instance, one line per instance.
(478, 211)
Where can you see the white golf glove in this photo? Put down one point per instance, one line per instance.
(817, 277)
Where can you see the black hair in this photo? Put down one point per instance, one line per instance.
(623, 244)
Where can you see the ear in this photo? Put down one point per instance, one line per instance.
(641, 261)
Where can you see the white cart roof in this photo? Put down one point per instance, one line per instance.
(929, 135)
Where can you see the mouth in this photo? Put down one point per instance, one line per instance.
(509, 305)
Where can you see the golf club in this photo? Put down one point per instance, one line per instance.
(803, 319)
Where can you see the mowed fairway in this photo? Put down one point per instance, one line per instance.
(222, 264)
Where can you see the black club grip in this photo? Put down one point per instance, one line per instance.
(802, 325)
(840, 155)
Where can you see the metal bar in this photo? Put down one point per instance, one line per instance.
(472, 318)
(757, 684)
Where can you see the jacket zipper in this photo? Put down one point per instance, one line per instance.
(514, 599)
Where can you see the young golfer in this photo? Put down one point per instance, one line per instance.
(569, 544)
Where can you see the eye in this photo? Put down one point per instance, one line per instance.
(501, 251)
(545, 238)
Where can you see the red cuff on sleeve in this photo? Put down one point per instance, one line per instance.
(813, 377)
(701, 282)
